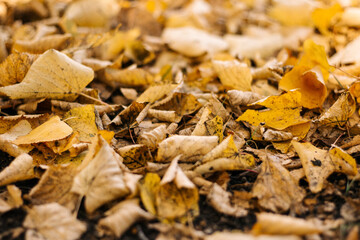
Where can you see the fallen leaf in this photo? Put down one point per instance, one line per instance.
(130, 77)
(152, 138)
(82, 120)
(193, 42)
(53, 75)
(275, 189)
(156, 92)
(340, 112)
(191, 148)
(101, 180)
(51, 130)
(284, 112)
(318, 164)
(120, 217)
(322, 17)
(275, 224)
(233, 74)
(15, 67)
(134, 156)
(52, 221)
(38, 46)
(21, 168)
(219, 199)
(239, 235)
(22, 128)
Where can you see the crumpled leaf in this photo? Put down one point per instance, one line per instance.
(37, 46)
(152, 138)
(339, 113)
(181, 103)
(52, 75)
(21, 168)
(15, 67)
(52, 221)
(220, 199)
(101, 180)
(191, 148)
(82, 120)
(6, 140)
(54, 186)
(243, 98)
(284, 112)
(318, 164)
(193, 42)
(274, 187)
(275, 224)
(120, 217)
(51, 130)
(322, 17)
(175, 197)
(233, 74)
(309, 75)
(156, 92)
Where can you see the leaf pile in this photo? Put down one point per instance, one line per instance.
(155, 111)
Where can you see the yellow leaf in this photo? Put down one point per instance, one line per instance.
(215, 127)
(51, 130)
(130, 114)
(309, 82)
(322, 17)
(339, 113)
(233, 74)
(41, 45)
(148, 189)
(156, 92)
(82, 120)
(284, 112)
(15, 67)
(318, 164)
(315, 55)
(53, 75)
(291, 13)
(355, 90)
(130, 77)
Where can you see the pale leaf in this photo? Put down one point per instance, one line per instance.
(119, 218)
(51, 130)
(53, 75)
(101, 180)
(243, 236)
(21, 168)
(53, 222)
(275, 224)
(191, 148)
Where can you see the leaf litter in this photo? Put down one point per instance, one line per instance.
(201, 119)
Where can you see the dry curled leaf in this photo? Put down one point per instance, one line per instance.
(21, 168)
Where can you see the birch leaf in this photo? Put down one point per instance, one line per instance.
(135, 156)
(322, 17)
(191, 148)
(233, 74)
(52, 221)
(51, 130)
(52, 75)
(101, 180)
(82, 120)
(284, 112)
